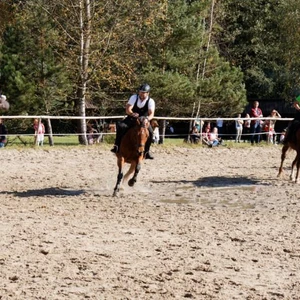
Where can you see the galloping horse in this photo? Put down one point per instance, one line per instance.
(291, 141)
(132, 151)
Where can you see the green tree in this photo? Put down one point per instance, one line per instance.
(33, 74)
(288, 48)
(248, 38)
(187, 69)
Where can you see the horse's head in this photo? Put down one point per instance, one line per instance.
(143, 122)
(143, 133)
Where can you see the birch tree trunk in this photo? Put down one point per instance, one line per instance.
(207, 49)
(50, 133)
(85, 40)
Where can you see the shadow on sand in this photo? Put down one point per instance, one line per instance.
(45, 192)
(216, 181)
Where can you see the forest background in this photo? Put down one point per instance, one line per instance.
(201, 58)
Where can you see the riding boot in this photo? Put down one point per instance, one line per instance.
(121, 130)
(147, 154)
(117, 143)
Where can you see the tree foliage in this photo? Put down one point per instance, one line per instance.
(54, 55)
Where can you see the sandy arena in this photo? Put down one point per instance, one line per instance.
(199, 224)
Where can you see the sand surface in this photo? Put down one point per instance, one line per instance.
(199, 224)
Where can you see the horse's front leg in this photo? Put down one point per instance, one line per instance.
(132, 181)
(119, 178)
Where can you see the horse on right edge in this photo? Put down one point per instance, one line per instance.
(292, 141)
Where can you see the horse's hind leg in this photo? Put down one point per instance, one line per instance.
(283, 156)
(298, 166)
(292, 177)
(132, 181)
(297, 163)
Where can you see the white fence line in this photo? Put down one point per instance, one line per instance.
(204, 119)
(121, 117)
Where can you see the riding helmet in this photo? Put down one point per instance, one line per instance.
(144, 88)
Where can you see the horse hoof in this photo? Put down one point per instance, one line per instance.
(131, 182)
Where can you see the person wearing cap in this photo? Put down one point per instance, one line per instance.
(138, 105)
(296, 105)
(3, 102)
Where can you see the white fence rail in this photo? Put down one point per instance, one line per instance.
(116, 118)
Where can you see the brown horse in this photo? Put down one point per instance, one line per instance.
(291, 141)
(132, 152)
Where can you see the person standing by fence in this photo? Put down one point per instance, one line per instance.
(39, 131)
(3, 102)
(238, 128)
(255, 127)
(219, 123)
(246, 130)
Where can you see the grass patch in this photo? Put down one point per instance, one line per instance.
(72, 140)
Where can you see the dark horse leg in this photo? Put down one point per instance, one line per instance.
(298, 166)
(132, 181)
(119, 180)
(283, 156)
(292, 177)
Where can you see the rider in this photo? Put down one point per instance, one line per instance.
(139, 104)
(295, 123)
(296, 104)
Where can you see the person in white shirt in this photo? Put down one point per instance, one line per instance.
(214, 139)
(238, 128)
(3, 102)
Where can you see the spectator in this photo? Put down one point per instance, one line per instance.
(199, 125)
(269, 126)
(214, 139)
(282, 136)
(206, 134)
(92, 134)
(255, 128)
(219, 124)
(3, 102)
(239, 128)
(246, 130)
(39, 131)
(3, 133)
(207, 127)
(194, 135)
(155, 127)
